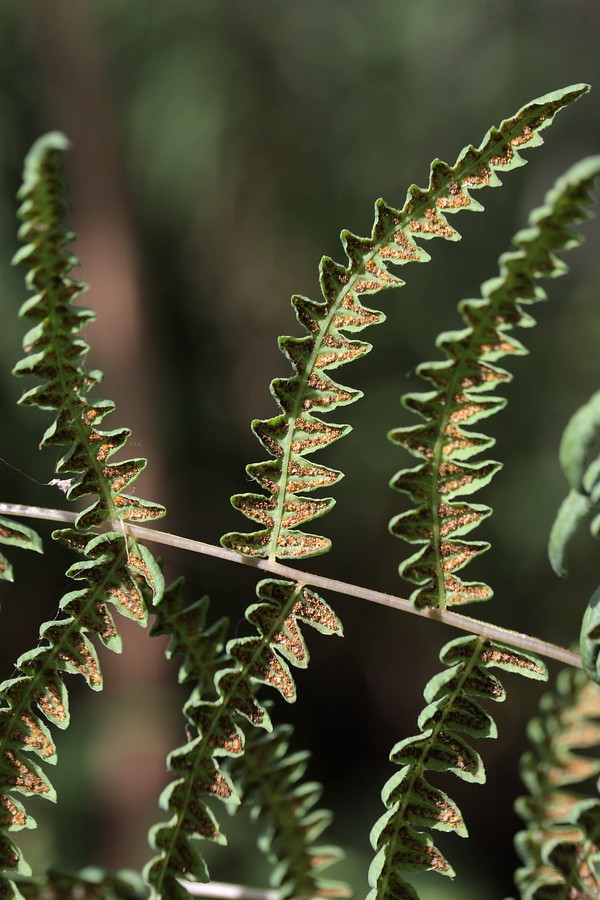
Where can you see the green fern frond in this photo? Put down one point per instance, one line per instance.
(90, 883)
(117, 571)
(199, 645)
(55, 356)
(114, 576)
(16, 535)
(413, 803)
(277, 619)
(580, 461)
(445, 442)
(582, 470)
(555, 773)
(217, 712)
(589, 639)
(296, 432)
(196, 764)
(576, 863)
(269, 777)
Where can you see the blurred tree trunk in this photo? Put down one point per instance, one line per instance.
(77, 100)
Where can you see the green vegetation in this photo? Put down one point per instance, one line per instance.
(235, 752)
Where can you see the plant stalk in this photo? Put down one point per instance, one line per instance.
(456, 620)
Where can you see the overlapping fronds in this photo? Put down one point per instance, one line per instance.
(17, 535)
(115, 576)
(270, 777)
(453, 711)
(231, 753)
(562, 812)
(117, 571)
(444, 442)
(297, 432)
(223, 699)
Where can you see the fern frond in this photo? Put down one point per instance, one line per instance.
(217, 712)
(16, 535)
(267, 776)
(444, 443)
(582, 471)
(555, 773)
(117, 571)
(580, 461)
(90, 883)
(297, 432)
(576, 863)
(413, 803)
(114, 576)
(589, 638)
(196, 764)
(199, 644)
(55, 356)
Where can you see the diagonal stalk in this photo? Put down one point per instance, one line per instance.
(485, 630)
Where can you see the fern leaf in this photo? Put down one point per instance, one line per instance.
(198, 644)
(268, 776)
(444, 443)
(297, 431)
(582, 472)
(55, 356)
(219, 707)
(453, 710)
(580, 461)
(117, 572)
(92, 883)
(589, 639)
(113, 577)
(555, 849)
(16, 535)
(575, 862)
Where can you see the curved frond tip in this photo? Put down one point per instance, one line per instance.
(55, 355)
(445, 442)
(116, 572)
(298, 431)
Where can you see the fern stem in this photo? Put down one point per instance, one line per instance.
(485, 630)
(218, 890)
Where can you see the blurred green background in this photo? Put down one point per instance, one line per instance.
(218, 150)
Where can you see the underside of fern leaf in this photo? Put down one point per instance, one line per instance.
(221, 708)
(445, 442)
(117, 571)
(224, 708)
(560, 847)
(271, 779)
(297, 432)
(55, 356)
(453, 710)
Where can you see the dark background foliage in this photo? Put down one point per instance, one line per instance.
(218, 149)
